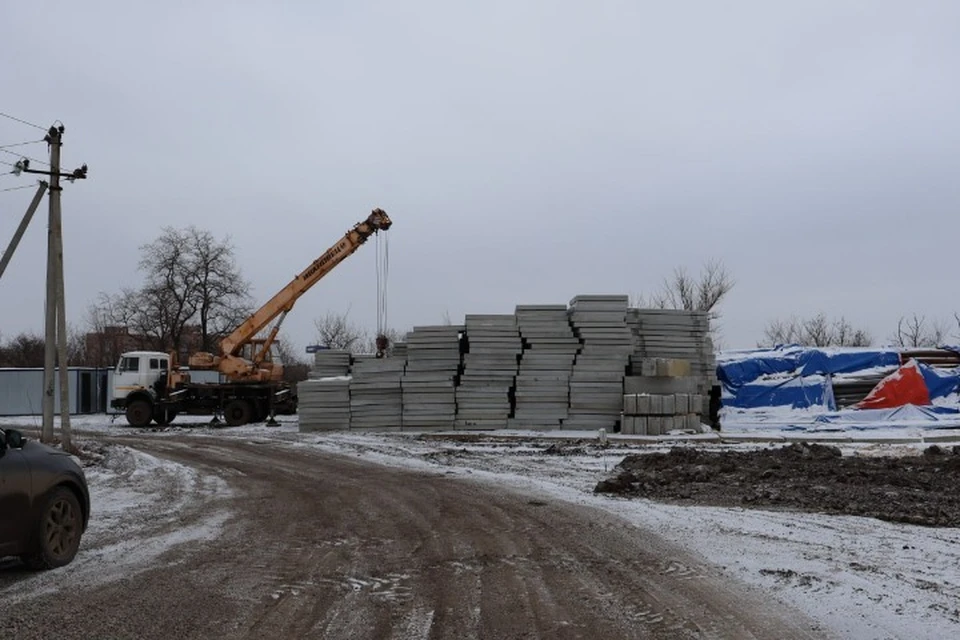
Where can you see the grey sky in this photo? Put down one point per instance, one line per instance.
(527, 151)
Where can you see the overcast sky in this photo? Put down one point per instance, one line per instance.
(527, 151)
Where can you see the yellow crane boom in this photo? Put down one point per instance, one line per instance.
(230, 362)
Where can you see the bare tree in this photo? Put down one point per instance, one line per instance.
(694, 293)
(816, 331)
(23, 350)
(703, 292)
(917, 331)
(335, 331)
(76, 347)
(222, 297)
(170, 293)
(193, 292)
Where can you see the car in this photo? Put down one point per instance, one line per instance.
(44, 502)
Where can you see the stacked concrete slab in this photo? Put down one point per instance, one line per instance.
(375, 393)
(646, 414)
(675, 334)
(489, 369)
(330, 364)
(596, 383)
(543, 379)
(324, 405)
(428, 384)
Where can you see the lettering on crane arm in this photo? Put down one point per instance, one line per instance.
(322, 260)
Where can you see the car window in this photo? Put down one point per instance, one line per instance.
(129, 364)
(154, 364)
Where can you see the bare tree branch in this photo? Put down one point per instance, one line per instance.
(335, 331)
(917, 331)
(817, 331)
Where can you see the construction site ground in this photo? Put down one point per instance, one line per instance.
(260, 531)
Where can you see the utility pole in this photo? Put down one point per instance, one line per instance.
(27, 217)
(50, 305)
(65, 431)
(55, 305)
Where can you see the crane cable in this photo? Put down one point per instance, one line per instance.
(383, 273)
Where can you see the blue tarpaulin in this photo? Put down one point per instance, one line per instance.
(743, 367)
(940, 382)
(800, 377)
(797, 392)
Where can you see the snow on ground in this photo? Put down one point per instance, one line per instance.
(142, 507)
(858, 577)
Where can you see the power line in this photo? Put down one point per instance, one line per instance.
(25, 186)
(7, 115)
(20, 155)
(19, 144)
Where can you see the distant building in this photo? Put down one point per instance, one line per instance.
(103, 348)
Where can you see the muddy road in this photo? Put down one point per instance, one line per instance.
(323, 546)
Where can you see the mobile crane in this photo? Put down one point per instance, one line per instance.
(151, 386)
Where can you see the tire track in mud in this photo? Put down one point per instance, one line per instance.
(325, 546)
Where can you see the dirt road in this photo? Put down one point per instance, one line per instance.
(328, 547)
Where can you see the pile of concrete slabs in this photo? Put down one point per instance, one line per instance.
(428, 384)
(489, 367)
(330, 363)
(324, 405)
(543, 379)
(376, 400)
(596, 383)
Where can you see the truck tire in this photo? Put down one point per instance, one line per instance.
(237, 413)
(164, 416)
(57, 531)
(139, 413)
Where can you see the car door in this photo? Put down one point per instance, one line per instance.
(15, 490)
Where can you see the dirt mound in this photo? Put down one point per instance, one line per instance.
(808, 477)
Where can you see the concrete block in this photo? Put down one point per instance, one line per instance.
(654, 425)
(640, 426)
(630, 404)
(643, 405)
(634, 425)
(693, 421)
(672, 368)
(682, 403)
(668, 405)
(655, 384)
(648, 367)
(697, 404)
(656, 405)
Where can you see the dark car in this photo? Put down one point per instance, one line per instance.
(44, 502)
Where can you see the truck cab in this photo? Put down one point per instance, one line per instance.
(135, 382)
(137, 371)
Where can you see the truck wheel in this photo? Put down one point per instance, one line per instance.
(139, 413)
(58, 531)
(237, 413)
(163, 417)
